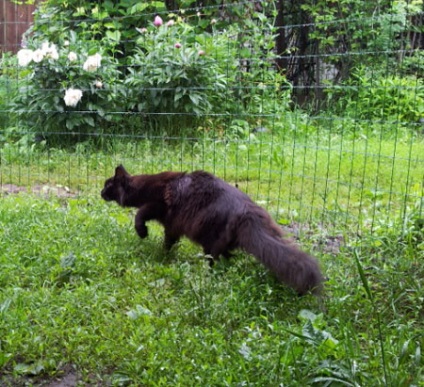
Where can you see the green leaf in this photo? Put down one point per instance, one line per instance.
(114, 35)
(194, 98)
(89, 120)
(139, 7)
(29, 369)
(362, 275)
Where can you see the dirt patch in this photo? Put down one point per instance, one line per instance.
(66, 377)
(322, 240)
(39, 190)
(68, 380)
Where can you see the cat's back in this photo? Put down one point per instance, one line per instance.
(202, 189)
(205, 182)
(230, 200)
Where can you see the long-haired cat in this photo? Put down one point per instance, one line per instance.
(215, 215)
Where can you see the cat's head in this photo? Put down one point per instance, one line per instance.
(115, 186)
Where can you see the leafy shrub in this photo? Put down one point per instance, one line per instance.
(197, 63)
(172, 72)
(380, 96)
(111, 23)
(58, 82)
(414, 64)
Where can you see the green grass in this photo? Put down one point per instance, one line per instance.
(319, 177)
(80, 290)
(81, 294)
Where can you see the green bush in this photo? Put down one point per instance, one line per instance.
(383, 97)
(174, 71)
(72, 87)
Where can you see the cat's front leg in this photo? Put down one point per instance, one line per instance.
(140, 224)
(145, 213)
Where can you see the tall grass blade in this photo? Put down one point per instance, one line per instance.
(376, 313)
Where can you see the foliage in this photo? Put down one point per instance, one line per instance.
(8, 88)
(45, 80)
(372, 96)
(175, 71)
(414, 64)
(355, 26)
(193, 63)
(321, 42)
(112, 24)
(233, 74)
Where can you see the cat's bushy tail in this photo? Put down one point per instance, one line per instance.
(287, 262)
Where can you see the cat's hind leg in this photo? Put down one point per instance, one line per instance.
(170, 239)
(215, 250)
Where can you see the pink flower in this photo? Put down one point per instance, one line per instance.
(158, 21)
(178, 45)
(201, 52)
(170, 23)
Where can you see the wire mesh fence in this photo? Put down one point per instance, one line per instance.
(317, 114)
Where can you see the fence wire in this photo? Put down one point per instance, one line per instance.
(327, 131)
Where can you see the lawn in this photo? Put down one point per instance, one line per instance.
(83, 298)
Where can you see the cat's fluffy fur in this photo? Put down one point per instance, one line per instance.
(215, 215)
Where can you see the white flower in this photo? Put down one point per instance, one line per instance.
(66, 43)
(45, 47)
(92, 63)
(38, 56)
(72, 97)
(98, 84)
(50, 51)
(72, 56)
(25, 57)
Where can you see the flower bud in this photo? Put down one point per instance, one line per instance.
(141, 30)
(158, 21)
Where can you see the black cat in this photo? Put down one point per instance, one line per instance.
(215, 215)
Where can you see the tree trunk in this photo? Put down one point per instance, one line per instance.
(280, 39)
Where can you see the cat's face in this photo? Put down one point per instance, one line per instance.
(114, 188)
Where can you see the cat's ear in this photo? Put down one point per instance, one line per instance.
(121, 172)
